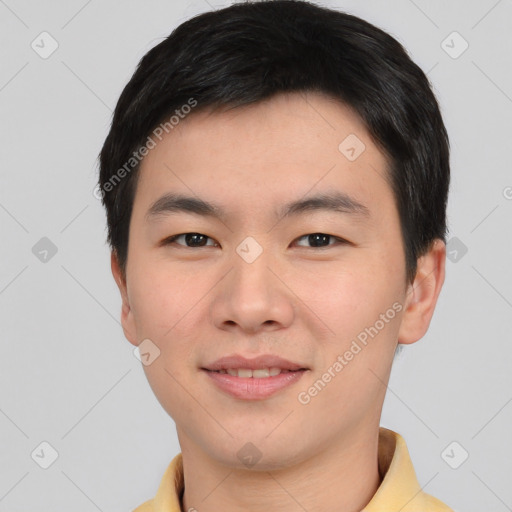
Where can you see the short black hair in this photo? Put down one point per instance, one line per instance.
(251, 51)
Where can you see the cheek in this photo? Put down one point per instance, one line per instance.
(356, 361)
(342, 300)
(165, 308)
(168, 309)
(358, 311)
(163, 299)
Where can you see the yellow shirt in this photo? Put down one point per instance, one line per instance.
(399, 490)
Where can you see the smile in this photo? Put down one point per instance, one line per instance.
(258, 384)
(257, 374)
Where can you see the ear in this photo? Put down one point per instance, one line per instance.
(127, 320)
(422, 295)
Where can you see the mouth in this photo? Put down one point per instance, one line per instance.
(259, 365)
(253, 379)
(260, 373)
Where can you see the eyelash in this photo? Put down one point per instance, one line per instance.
(171, 239)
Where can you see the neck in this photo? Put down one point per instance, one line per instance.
(342, 476)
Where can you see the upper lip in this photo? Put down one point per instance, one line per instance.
(263, 361)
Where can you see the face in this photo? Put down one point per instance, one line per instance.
(320, 285)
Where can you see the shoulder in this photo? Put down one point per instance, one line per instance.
(432, 504)
(147, 506)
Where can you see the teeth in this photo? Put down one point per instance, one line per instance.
(257, 374)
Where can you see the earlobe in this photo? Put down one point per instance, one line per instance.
(422, 295)
(127, 320)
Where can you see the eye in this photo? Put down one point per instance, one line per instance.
(320, 240)
(194, 239)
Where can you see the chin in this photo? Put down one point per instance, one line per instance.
(246, 452)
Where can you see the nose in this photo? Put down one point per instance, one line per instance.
(253, 296)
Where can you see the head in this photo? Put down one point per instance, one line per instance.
(236, 116)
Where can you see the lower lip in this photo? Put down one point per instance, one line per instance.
(249, 388)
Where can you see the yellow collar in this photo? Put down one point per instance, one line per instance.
(398, 492)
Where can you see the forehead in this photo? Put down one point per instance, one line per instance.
(273, 151)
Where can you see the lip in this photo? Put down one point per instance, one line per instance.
(263, 361)
(250, 388)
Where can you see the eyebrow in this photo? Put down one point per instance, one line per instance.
(338, 202)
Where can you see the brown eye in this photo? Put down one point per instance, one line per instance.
(321, 240)
(192, 240)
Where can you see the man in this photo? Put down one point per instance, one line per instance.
(275, 180)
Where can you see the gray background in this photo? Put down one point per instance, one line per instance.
(68, 376)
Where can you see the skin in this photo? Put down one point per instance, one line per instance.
(304, 303)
